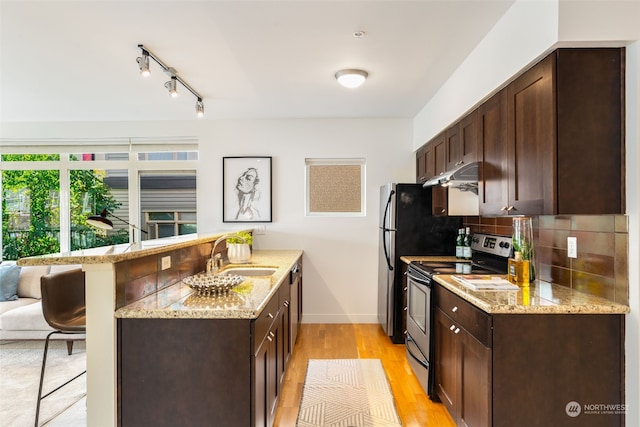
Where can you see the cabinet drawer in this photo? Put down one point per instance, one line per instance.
(262, 324)
(465, 315)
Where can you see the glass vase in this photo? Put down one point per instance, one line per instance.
(522, 265)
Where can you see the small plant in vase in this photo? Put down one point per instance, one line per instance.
(239, 251)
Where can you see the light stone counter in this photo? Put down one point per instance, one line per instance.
(537, 298)
(123, 252)
(245, 301)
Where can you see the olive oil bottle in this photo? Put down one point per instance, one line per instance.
(519, 270)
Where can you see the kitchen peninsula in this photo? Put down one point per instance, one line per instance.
(120, 275)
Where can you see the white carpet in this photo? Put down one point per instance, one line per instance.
(346, 393)
(20, 364)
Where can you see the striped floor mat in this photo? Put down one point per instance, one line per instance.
(346, 393)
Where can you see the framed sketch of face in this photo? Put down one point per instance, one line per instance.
(246, 189)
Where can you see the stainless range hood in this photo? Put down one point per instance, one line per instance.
(467, 173)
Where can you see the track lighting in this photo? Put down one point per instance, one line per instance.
(199, 108)
(143, 63)
(171, 85)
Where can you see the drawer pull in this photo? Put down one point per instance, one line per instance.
(454, 309)
(286, 303)
(456, 331)
(271, 334)
(406, 308)
(270, 316)
(270, 339)
(452, 327)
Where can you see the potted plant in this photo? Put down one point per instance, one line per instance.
(239, 247)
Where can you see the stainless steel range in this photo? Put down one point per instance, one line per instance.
(489, 255)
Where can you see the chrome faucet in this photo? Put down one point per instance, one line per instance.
(215, 262)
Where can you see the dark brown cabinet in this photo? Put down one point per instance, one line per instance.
(500, 369)
(461, 142)
(192, 372)
(551, 141)
(463, 362)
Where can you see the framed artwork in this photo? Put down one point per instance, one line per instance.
(246, 189)
(335, 187)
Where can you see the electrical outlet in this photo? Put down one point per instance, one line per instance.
(166, 262)
(572, 247)
(260, 229)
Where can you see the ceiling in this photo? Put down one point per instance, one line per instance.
(76, 60)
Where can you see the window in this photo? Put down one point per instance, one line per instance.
(47, 197)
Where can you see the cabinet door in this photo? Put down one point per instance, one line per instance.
(492, 144)
(474, 398)
(438, 193)
(454, 150)
(446, 362)
(421, 165)
(266, 382)
(531, 159)
(461, 142)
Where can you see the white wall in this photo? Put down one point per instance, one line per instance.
(340, 254)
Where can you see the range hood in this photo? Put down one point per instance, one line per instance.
(467, 172)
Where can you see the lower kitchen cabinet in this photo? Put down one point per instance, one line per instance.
(503, 370)
(197, 372)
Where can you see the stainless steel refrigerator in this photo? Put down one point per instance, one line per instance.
(407, 227)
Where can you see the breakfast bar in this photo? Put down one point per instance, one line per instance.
(119, 276)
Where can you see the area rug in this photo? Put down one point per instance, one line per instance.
(20, 364)
(346, 393)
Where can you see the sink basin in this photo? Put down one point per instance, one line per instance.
(249, 271)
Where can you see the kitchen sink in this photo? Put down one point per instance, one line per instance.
(249, 271)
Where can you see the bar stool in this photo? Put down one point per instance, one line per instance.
(64, 309)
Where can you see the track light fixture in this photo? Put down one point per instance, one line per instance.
(171, 85)
(143, 63)
(199, 108)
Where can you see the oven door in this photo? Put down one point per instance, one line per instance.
(419, 333)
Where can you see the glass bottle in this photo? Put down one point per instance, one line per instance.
(466, 251)
(459, 243)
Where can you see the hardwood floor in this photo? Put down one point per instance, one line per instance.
(352, 341)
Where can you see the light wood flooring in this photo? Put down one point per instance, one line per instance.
(352, 341)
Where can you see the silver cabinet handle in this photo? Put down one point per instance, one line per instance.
(286, 303)
(456, 331)
(452, 327)
(454, 309)
(271, 334)
(406, 308)
(270, 339)
(510, 208)
(270, 316)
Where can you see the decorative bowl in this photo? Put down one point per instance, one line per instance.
(207, 284)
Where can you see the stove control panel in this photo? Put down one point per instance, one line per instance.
(496, 245)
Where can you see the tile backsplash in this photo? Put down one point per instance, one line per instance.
(601, 267)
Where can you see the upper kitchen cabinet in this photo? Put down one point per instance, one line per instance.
(424, 164)
(492, 139)
(551, 142)
(439, 194)
(461, 142)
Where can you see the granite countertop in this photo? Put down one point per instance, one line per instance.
(122, 252)
(246, 301)
(539, 298)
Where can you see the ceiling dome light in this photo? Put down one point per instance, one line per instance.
(351, 78)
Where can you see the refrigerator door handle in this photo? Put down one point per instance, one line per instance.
(386, 230)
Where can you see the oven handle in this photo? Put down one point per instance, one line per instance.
(420, 361)
(419, 280)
